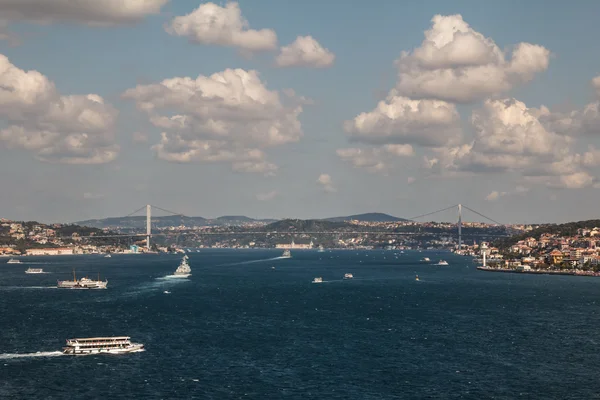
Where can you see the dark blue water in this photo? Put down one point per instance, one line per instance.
(240, 329)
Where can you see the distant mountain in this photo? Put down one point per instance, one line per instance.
(368, 217)
(139, 222)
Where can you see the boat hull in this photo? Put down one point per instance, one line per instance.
(133, 348)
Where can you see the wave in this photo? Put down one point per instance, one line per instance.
(11, 356)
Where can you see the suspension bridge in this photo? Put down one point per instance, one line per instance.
(417, 219)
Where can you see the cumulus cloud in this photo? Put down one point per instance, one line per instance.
(577, 122)
(509, 137)
(70, 129)
(139, 137)
(458, 64)
(97, 12)
(267, 196)
(377, 159)
(305, 51)
(229, 116)
(224, 26)
(326, 183)
(401, 120)
(495, 195)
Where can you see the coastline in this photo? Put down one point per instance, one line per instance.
(540, 272)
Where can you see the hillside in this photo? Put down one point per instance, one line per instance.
(567, 229)
(309, 225)
(368, 217)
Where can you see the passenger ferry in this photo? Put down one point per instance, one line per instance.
(13, 261)
(34, 271)
(101, 345)
(318, 280)
(286, 254)
(348, 276)
(83, 283)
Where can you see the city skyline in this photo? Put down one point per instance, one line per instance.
(283, 109)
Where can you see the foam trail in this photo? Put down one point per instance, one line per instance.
(252, 261)
(26, 287)
(9, 356)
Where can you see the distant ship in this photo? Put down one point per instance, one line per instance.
(317, 280)
(34, 271)
(13, 261)
(425, 259)
(107, 256)
(102, 345)
(286, 254)
(184, 270)
(321, 249)
(417, 278)
(442, 262)
(348, 276)
(83, 283)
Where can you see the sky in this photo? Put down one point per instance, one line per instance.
(312, 109)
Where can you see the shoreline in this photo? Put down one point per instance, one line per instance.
(540, 272)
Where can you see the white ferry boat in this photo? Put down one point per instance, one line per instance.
(318, 280)
(184, 270)
(83, 283)
(34, 271)
(348, 276)
(442, 262)
(13, 261)
(102, 345)
(286, 254)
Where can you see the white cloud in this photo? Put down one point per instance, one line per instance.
(70, 129)
(139, 137)
(326, 183)
(229, 116)
(305, 51)
(493, 196)
(96, 12)
(404, 121)
(267, 196)
(375, 159)
(596, 85)
(458, 64)
(509, 137)
(225, 26)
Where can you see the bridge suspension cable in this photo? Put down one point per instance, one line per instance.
(481, 215)
(167, 211)
(136, 211)
(433, 212)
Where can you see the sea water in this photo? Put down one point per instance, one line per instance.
(248, 324)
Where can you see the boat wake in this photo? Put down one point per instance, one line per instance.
(172, 277)
(26, 287)
(253, 261)
(9, 356)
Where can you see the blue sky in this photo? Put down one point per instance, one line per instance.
(366, 39)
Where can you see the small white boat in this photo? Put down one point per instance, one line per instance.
(13, 261)
(425, 259)
(348, 276)
(417, 278)
(34, 271)
(286, 254)
(321, 249)
(107, 256)
(317, 280)
(166, 292)
(442, 262)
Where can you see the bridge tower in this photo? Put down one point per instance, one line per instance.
(148, 225)
(460, 227)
